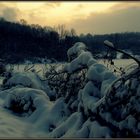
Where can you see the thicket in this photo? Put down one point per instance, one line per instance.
(20, 41)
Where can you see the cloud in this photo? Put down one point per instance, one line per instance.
(96, 18)
(27, 10)
(40, 14)
(79, 7)
(124, 5)
(115, 19)
(52, 4)
(9, 13)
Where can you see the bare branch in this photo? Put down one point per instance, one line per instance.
(108, 44)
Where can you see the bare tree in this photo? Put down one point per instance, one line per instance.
(73, 32)
(63, 32)
(23, 21)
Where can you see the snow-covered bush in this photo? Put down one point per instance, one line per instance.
(27, 79)
(85, 99)
(23, 100)
(2, 68)
(120, 108)
(66, 84)
(104, 103)
(75, 50)
(82, 81)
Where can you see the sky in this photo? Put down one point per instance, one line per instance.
(85, 17)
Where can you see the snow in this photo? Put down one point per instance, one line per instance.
(84, 59)
(119, 55)
(134, 83)
(27, 119)
(28, 79)
(98, 131)
(96, 72)
(102, 111)
(131, 122)
(106, 42)
(12, 126)
(100, 74)
(91, 61)
(76, 49)
(27, 99)
(68, 128)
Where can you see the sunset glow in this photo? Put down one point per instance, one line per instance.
(60, 12)
(54, 13)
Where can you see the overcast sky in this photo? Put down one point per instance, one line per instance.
(84, 17)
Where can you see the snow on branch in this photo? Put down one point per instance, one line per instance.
(111, 46)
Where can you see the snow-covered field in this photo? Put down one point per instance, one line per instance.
(26, 110)
(12, 125)
(43, 67)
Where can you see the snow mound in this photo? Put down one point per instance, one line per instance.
(83, 60)
(98, 131)
(24, 100)
(98, 73)
(26, 79)
(76, 49)
(48, 120)
(69, 127)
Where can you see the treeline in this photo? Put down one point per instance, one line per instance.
(20, 41)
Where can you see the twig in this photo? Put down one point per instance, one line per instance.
(118, 50)
(30, 68)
